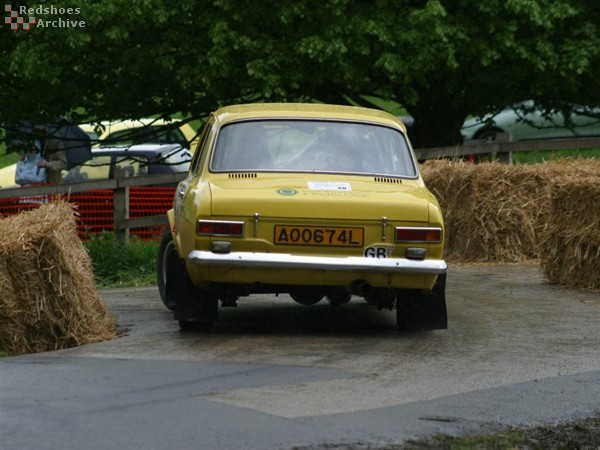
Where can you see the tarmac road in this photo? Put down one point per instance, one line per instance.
(277, 375)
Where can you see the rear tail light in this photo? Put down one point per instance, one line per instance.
(425, 235)
(220, 228)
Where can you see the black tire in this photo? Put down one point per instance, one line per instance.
(195, 309)
(307, 295)
(197, 313)
(337, 298)
(382, 298)
(165, 268)
(418, 310)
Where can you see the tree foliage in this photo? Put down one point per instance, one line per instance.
(440, 59)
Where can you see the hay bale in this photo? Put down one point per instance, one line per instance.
(570, 242)
(48, 297)
(492, 211)
(496, 212)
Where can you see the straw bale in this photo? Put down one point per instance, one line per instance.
(495, 212)
(570, 242)
(48, 297)
(491, 210)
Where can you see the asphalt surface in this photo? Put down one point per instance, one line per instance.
(277, 375)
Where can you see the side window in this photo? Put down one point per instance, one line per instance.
(130, 166)
(205, 141)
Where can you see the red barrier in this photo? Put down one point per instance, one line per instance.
(95, 209)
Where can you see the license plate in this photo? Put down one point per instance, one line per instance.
(315, 235)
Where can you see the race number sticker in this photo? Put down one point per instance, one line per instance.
(329, 186)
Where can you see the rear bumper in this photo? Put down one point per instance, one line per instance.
(320, 263)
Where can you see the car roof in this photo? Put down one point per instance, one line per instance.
(137, 150)
(129, 123)
(248, 111)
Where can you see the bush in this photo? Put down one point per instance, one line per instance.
(118, 265)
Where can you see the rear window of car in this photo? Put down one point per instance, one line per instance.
(312, 146)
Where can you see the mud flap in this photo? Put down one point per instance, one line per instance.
(416, 310)
(191, 304)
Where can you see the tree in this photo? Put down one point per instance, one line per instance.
(452, 58)
(441, 59)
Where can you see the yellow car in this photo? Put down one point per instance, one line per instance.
(316, 201)
(7, 176)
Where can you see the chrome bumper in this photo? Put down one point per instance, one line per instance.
(320, 263)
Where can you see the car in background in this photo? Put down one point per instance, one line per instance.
(95, 206)
(311, 200)
(126, 133)
(135, 160)
(7, 175)
(526, 120)
(141, 131)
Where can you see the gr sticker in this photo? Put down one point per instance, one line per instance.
(287, 191)
(377, 252)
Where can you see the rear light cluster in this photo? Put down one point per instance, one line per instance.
(219, 228)
(234, 228)
(420, 234)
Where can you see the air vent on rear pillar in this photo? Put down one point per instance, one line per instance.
(387, 180)
(242, 175)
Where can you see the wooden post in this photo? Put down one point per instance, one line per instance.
(120, 208)
(504, 157)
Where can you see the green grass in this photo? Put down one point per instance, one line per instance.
(118, 265)
(509, 440)
(538, 157)
(575, 435)
(6, 159)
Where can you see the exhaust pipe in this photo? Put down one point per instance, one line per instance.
(361, 287)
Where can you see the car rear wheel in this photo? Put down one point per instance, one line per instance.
(382, 298)
(337, 297)
(307, 295)
(165, 267)
(195, 309)
(419, 310)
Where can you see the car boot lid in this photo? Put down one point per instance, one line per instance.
(319, 198)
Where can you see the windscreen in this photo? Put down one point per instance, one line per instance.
(312, 146)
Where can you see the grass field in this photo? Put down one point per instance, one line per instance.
(117, 265)
(536, 157)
